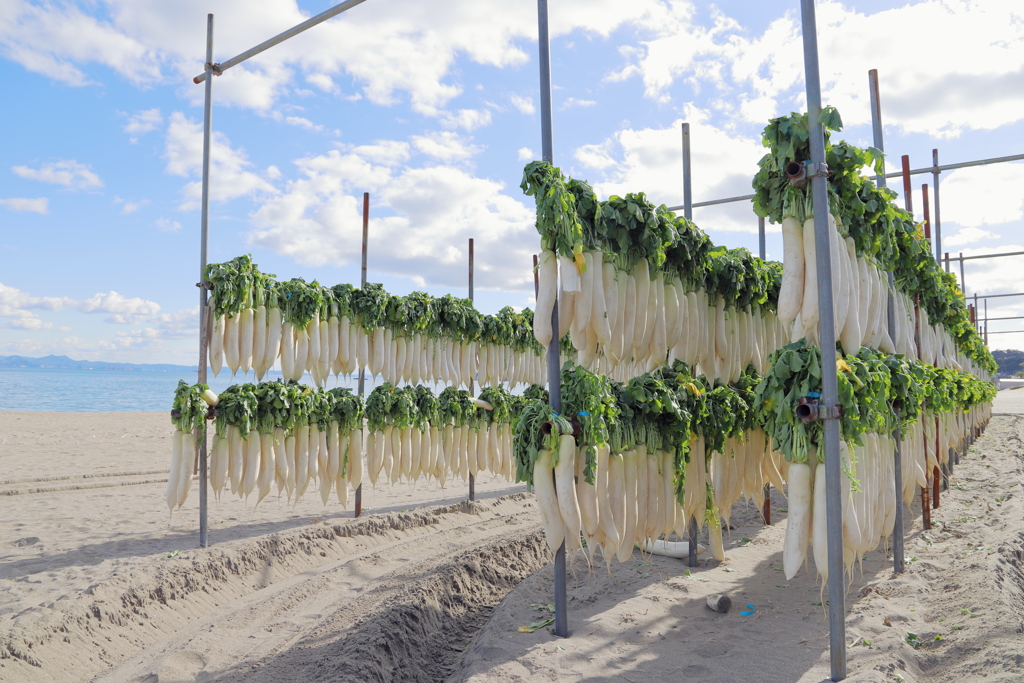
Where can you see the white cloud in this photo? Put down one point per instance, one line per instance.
(650, 161)
(68, 173)
(469, 119)
(594, 156)
(229, 177)
(167, 225)
(523, 104)
(526, 154)
(984, 195)
(968, 235)
(573, 102)
(40, 205)
(122, 309)
(33, 324)
(996, 275)
(142, 122)
(403, 46)
(976, 86)
(15, 303)
(446, 146)
(317, 219)
(130, 207)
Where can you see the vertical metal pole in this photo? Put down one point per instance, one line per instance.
(926, 510)
(829, 383)
(362, 371)
(963, 282)
(986, 321)
(766, 507)
(890, 313)
(908, 197)
(554, 364)
(938, 224)
(926, 208)
(687, 174)
(204, 314)
(472, 478)
(688, 213)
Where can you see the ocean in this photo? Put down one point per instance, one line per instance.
(73, 391)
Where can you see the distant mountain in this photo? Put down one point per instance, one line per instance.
(65, 363)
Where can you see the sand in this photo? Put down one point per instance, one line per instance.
(97, 584)
(93, 570)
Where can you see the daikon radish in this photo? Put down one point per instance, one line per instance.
(585, 298)
(547, 278)
(274, 335)
(216, 332)
(219, 465)
(188, 458)
(265, 478)
(231, 342)
(547, 501)
(798, 526)
(628, 537)
(642, 274)
(280, 461)
(259, 341)
(809, 305)
(586, 495)
(819, 528)
(236, 458)
(301, 353)
(791, 291)
(173, 474)
(301, 460)
(353, 465)
(291, 447)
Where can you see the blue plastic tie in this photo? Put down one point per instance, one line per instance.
(583, 413)
(813, 394)
(752, 610)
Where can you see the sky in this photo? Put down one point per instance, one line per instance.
(433, 108)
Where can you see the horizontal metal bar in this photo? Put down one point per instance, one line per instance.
(953, 167)
(896, 174)
(994, 296)
(971, 258)
(1003, 332)
(713, 202)
(1012, 317)
(281, 37)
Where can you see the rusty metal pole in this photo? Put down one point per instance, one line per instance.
(362, 371)
(908, 199)
(963, 282)
(938, 223)
(472, 477)
(927, 212)
(926, 512)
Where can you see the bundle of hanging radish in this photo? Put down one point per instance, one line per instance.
(255, 322)
(879, 394)
(872, 242)
(631, 467)
(414, 434)
(286, 434)
(188, 415)
(637, 285)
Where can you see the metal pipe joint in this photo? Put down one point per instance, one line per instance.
(811, 410)
(800, 172)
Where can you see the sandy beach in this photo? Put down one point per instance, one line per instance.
(97, 583)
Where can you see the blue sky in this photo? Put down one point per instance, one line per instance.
(432, 108)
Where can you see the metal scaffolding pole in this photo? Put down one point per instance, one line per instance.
(829, 384)
(472, 477)
(362, 371)
(554, 364)
(687, 208)
(897, 535)
(937, 228)
(204, 314)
